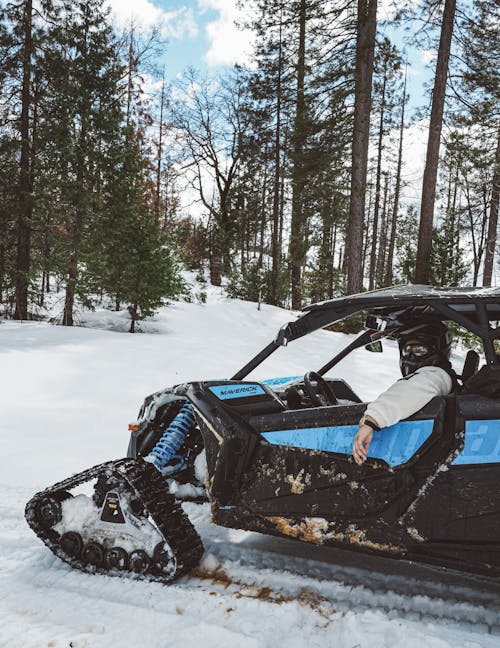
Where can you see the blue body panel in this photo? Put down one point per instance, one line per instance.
(482, 443)
(276, 382)
(395, 444)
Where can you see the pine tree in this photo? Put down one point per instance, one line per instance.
(365, 47)
(81, 121)
(481, 98)
(433, 143)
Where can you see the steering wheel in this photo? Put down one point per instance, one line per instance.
(323, 394)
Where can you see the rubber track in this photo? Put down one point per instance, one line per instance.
(148, 485)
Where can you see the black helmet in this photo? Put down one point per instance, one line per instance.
(424, 344)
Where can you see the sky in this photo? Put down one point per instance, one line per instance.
(199, 33)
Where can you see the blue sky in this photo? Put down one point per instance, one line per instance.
(200, 33)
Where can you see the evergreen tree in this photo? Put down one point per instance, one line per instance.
(21, 34)
(82, 119)
(433, 144)
(365, 47)
(481, 99)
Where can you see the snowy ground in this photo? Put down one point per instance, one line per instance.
(66, 397)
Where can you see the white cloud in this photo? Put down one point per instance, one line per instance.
(228, 44)
(145, 15)
(428, 55)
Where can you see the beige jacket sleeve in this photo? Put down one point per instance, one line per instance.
(408, 395)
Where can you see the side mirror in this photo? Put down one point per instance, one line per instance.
(375, 347)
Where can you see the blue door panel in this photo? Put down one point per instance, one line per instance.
(482, 443)
(395, 444)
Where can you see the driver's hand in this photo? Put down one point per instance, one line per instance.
(361, 444)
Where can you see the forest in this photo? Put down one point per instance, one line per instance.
(281, 179)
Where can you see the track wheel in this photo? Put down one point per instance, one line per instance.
(93, 554)
(116, 558)
(49, 510)
(72, 543)
(163, 559)
(139, 561)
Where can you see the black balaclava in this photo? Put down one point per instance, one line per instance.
(433, 334)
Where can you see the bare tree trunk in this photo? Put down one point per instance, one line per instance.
(493, 220)
(77, 231)
(365, 46)
(296, 249)
(366, 229)
(382, 250)
(215, 257)
(25, 199)
(133, 318)
(275, 236)
(397, 189)
(378, 180)
(433, 143)
(3, 233)
(282, 205)
(263, 213)
(332, 267)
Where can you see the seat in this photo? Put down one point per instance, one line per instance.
(471, 365)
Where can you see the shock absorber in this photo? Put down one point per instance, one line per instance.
(171, 440)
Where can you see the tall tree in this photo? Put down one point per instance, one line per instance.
(298, 178)
(365, 47)
(422, 267)
(481, 100)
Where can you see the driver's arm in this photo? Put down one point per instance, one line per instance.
(402, 399)
(363, 438)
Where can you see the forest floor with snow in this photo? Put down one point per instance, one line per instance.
(66, 397)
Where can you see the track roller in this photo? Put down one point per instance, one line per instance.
(116, 558)
(93, 554)
(49, 511)
(72, 543)
(163, 558)
(139, 561)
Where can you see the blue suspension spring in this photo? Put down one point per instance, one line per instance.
(172, 439)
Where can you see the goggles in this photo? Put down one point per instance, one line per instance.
(416, 350)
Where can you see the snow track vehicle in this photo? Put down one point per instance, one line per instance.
(275, 457)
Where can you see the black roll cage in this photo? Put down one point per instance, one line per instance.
(468, 307)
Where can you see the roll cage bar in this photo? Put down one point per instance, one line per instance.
(472, 308)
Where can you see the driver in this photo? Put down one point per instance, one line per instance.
(424, 352)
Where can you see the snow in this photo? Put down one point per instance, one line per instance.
(66, 397)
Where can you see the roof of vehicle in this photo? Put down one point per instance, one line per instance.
(411, 295)
(473, 307)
